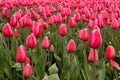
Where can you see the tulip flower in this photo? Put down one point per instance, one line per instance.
(71, 46)
(114, 64)
(83, 34)
(51, 20)
(31, 41)
(45, 43)
(93, 55)
(77, 17)
(114, 24)
(13, 20)
(37, 29)
(27, 60)
(101, 21)
(16, 33)
(21, 54)
(72, 22)
(7, 30)
(45, 26)
(110, 52)
(95, 39)
(4, 13)
(27, 71)
(63, 30)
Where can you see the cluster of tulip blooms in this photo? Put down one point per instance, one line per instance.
(38, 15)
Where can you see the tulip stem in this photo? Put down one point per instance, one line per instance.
(71, 59)
(31, 57)
(45, 56)
(22, 71)
(94, 68)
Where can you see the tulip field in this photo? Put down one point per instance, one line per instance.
(59, 39)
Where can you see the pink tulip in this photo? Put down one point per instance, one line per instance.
(45, 43)
(114, 24)
(93, 55)
(72, 22)
(77, 17)
(31, 41)
(110, 52)
(83, 34)
(16, 33)
(4, 13)
(21, 54)
(7, 30)
(13, 20)
(27, 71)
(71, 46)
(63, 30)
(95, 39)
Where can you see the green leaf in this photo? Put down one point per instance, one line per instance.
(102, 72)
(53, 69)
(54, 77)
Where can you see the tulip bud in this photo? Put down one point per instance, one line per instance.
(101, 21)
(21, 54)
(37, 30)
(93, 55)
(27, 71)
(31, 41)
(7, 30)
(45, 26)
(95, 39)
(83, 34)
(114, 24)
(77, 17)
(63, 30)
(16, 33)
(13, 20)
(110, 52)
(51, 20)
(27, 60)
(4, 13)
(72, 23)
(45, 43)
(90, 24)
(52, 49)
(71, 47)
(114, 64)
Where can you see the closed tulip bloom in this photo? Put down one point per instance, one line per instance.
(45, 43)
(31, 41)
(4, 13)
(63, 30)
(77, 17)
(110, 52)
(83, 34)
(114, 24)
(45, 26)
(90, 24)
(93, 55)
(27, 71)
(16, 34)
(101, 21)
(114, 64)
(95, 39)
(72, 22)
(37, 30)
(51, 20)
(13, 20)
(7, 30)
(71, 47)
(27, 60)
(21, 54)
